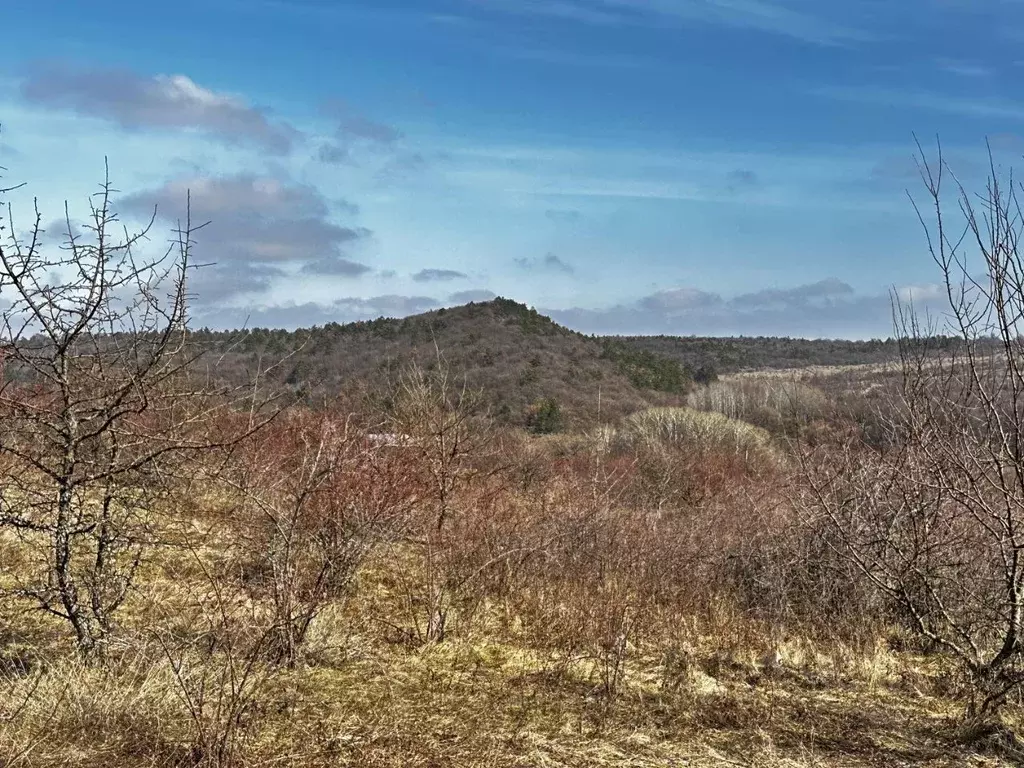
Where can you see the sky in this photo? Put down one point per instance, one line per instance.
(690, 167)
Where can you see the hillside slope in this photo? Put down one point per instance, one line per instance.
(516, 356)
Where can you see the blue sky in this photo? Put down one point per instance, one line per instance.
(628, 166)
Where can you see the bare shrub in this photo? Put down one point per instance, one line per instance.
(703, 431)
(215, 651)
(786, 572)
(581, 592)
(443, 434)
(317, 497)
(617, 560)
(782, 406)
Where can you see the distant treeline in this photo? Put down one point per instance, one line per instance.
(522, 360)
(745, 353)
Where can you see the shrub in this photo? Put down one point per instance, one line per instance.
(703, 431)
(782, 406)
(544, 417)
(317, 497)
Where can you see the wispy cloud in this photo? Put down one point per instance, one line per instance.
(438, 275)
(553, 175)
(965, 68)
(563, 215)
(773, 17)
(566, 58)
(476, 294)
(362, 128)
(965, 106)
(586, 11)
(549, 263)
(356, 133)
(741, 180)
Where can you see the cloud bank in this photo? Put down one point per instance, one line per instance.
(260, 228)
(827, 308)
(824, 309)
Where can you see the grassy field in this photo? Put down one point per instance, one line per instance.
(718, 695)
(187, 680)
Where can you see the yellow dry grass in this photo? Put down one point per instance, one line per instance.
(705, 693)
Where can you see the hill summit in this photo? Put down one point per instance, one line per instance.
(521, 360)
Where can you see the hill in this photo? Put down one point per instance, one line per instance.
(520, 359)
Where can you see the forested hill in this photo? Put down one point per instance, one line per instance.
(524, 362)
(532, 371)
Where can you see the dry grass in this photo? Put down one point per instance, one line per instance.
(590, 623)
(709, 692)
(489, 703)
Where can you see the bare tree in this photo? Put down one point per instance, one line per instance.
(936, 520)
(437, 421)
(101, 403)
(317, 498)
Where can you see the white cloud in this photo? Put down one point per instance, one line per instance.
(162, 102)
(921, 293)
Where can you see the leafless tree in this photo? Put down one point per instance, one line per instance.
(102, 401)
(440, 424)
(936, 521)
(317, 498)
